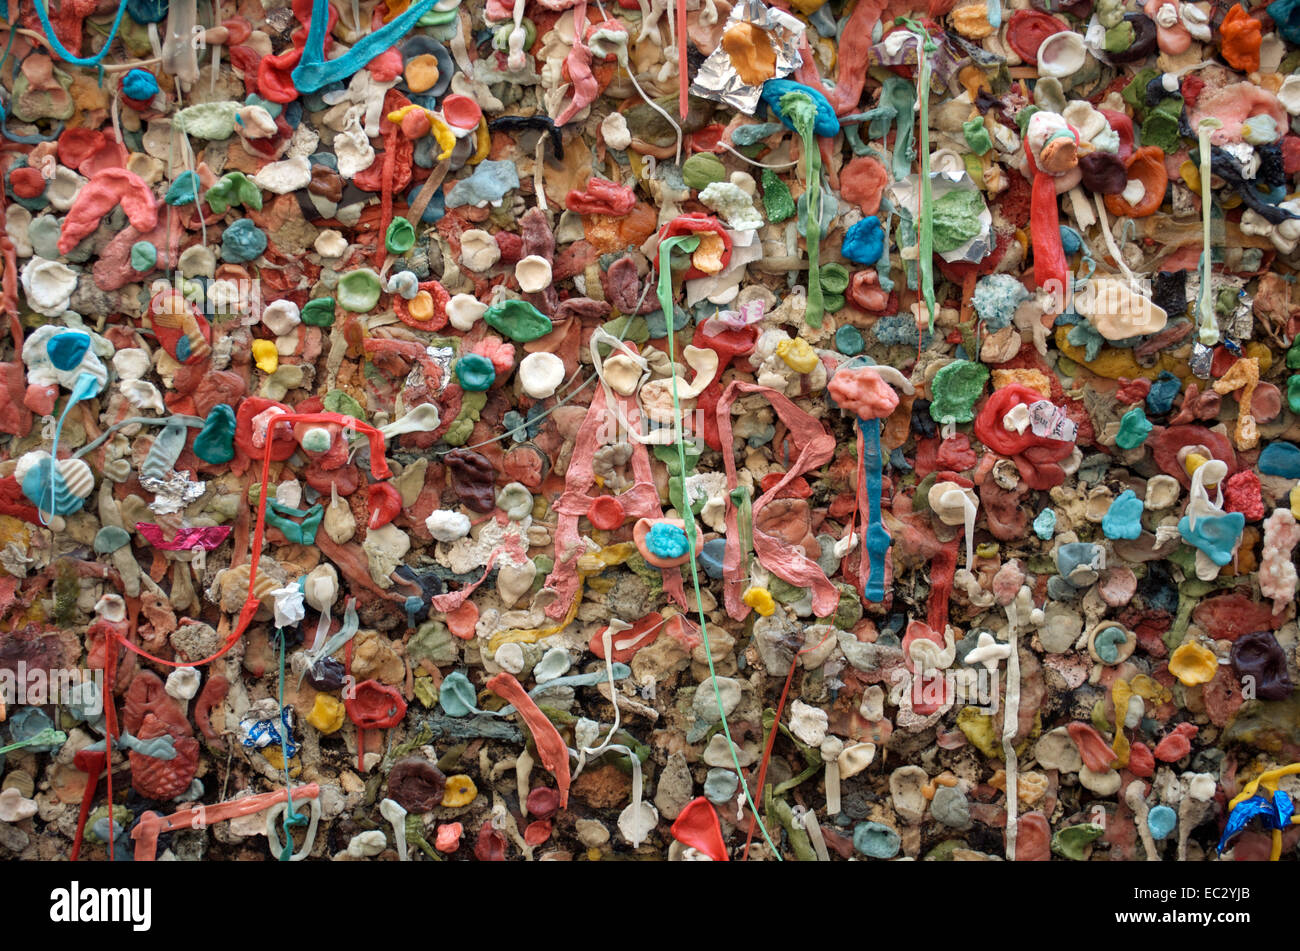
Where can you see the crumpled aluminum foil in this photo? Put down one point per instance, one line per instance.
(718, 80)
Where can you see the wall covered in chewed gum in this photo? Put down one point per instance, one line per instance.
(527, 430)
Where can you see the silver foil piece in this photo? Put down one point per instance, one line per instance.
(1200, 360)
(719, 81)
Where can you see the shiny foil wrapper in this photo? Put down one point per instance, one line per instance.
(1201, 359)
(719, 81)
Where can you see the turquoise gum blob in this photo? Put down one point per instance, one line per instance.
(1134, 427)
(475, 372)
(666, 541)
(1161, 821)
(490, 182)
(875, 840)
(720, 786)
(242, 242)
(66, 349)
(1071, 556)
(1045, 524)
(996, 298)
(143, 256)
(1160, 398)
(848, 340)
(1280, 459)
(1124, 517)
(184, 190)
(1216, 535)
(453, 693)
(1108, 643)
(216, 442)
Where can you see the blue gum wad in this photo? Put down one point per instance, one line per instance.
(666, 541)
(864, 242)
(242, 242)
(1161, 820)
(1124, 517)
(1215, 535)
(1160, 399)
(1134, 427)
(996, 298)
(1286, 14)
(1108, 642)
(848, 340)
(896, 330)
(875, 840)
(184, 190)
(215, 443)
(139, 85)
(475, 372)
(1280, 459)
(490, 183)
(1074, 554)
(67, 349)
(1045, 524)
(826, 123)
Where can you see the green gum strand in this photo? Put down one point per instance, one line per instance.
(803, 113)
(927, 220)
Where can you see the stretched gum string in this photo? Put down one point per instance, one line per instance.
(943, 569)
(968, 519)
(815, 308)
(926, 236)
(1209, 328)
(550, 746)
(1045, 223)
(56, 45)
(814, 447)
(585, 88)
(683, 66)
(875, 539)
(315, 71)
(386, 191)
(853, 57)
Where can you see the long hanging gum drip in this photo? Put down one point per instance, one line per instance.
(877, 538)
(925, 226)
(802, 111)
(1208, 325)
